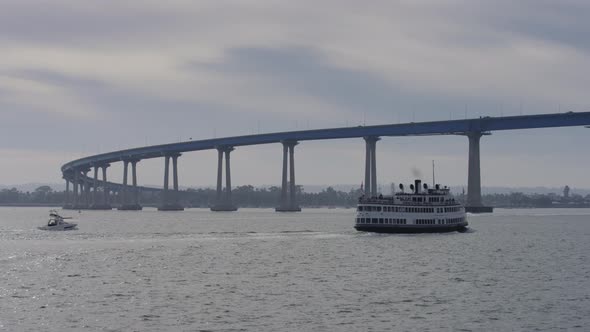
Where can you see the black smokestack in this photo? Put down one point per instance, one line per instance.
(417, 185)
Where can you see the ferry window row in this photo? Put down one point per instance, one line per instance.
(425, 221)
(369, 208)
(430, 199)
(396, 209)
(454, 220)
(416, 210)
(424, 199)
(388, 221)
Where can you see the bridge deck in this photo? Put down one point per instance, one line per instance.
(451, 127)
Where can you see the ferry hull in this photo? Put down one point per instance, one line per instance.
(411, 229)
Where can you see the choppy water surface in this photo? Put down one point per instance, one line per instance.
(257, 270)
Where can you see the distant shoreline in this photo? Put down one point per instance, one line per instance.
(52, 205)
(31, 205)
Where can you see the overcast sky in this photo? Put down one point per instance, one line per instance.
(82, 77)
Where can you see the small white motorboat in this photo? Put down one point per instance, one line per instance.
(57, 223)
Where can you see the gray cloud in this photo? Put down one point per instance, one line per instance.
(499, 23)
(154, 71)
(55, 78)
(306, 71)
(75, 23)
(562, 22)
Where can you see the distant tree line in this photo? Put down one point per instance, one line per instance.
(43, 195)
(521, 200)
(250, 196)
(243, 196)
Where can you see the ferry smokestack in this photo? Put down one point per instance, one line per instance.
(417, 186)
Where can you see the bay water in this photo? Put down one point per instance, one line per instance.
(258, 270)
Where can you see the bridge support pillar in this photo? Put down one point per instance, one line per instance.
(76, 184)
(135, 204)
(474, 203)
(98, 203)
(134, 176)
(105, 188)
(223, 198)
(129, 197)
(85, 189)
(371, 166)
(67, 194)
(83, 195)
(95, 188)
(288, 201)
(219, 175)
(125, 188)
(170, 200)
(81, 188)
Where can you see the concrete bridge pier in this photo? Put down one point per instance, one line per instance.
(288, 201)
(135, 201)
(67, 199)
(129, 197)
(170, 199)
(105, 188)
(125, 188)
(223, 197)
(81, 188)
(74, 193)
(67, 194)
(98, 202)
(371, 165)
(474, 204)
(135, 188)
(95, 188)
(85, 189)
(76, 185)
(82, 203)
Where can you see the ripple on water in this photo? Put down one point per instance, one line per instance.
(255, 270)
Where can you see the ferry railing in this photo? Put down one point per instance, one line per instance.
(412, 203)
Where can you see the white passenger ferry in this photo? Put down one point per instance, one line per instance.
(419, 211)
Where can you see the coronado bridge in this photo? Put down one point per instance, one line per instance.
(91, 192)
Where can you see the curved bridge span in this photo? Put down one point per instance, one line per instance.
(76, 172)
